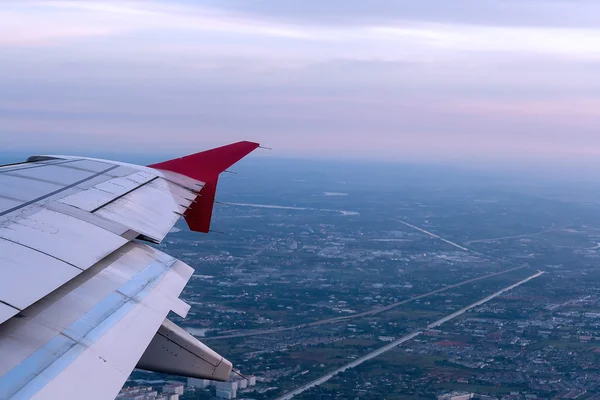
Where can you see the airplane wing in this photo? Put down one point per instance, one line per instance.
(83, 298)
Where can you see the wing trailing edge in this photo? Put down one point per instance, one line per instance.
(206, 166)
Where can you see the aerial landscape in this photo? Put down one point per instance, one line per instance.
(318, 267)
(302, 199)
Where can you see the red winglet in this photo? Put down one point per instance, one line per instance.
(206, 167)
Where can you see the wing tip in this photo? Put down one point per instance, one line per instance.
(206, 166)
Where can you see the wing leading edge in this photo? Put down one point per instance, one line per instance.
(84, 331)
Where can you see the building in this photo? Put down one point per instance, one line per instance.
(456, 396)
(198, 383)
(229, 386)
(242, 383)
(173, 388)
(224, 394)
(137, 393)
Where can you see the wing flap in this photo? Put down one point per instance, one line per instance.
(99, 324)
(151, 210)
(107, 191)
(174, 283)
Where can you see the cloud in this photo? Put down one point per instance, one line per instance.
(510, 13)
(34, 22)
(412, 36)
(34, 30)
(312, 78)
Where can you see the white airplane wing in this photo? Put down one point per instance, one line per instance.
(83, 299)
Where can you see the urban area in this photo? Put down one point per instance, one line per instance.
(415, 285)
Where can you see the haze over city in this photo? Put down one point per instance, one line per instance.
(424, 222)
(463, 81)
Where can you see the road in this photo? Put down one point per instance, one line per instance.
(526, 235)
(482, 301)
(374, 311)
(343, 212)
(404, 339)
(257, 253)
(353, 364)
(435, 236)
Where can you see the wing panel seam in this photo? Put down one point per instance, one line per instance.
(32, 178)
(188, 350)
(123, 195)
(57, 191)
(41, 252)
(40, 165)
(10, 305)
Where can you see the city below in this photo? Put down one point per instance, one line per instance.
(418, 285)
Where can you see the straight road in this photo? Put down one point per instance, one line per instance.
(374, 311)
(404, 339)
(433, 235)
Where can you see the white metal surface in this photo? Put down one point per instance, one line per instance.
(86, 337)
(94, 219)
(24, 189)
(151, 210)
(67, 238)
(61, 174)
(30, 185)
(28, 275)
(7, 312)
(86, 164)
(8, 203)
(142, 176)
(26, 164)
(19, 338)
(102, 193)
(88, 300)
(174, 283)
(174, 351)
(174, 177)
(111, 358)
(182, 180)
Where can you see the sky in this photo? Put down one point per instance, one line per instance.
(469, 81)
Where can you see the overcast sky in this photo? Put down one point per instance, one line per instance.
(470, 80)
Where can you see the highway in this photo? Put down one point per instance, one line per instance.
(257, 253)
(374, 311)
(353, 364)
(435, 236)
(526, 235)
(404, 339)
(482, 301)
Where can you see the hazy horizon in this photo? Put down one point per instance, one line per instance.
(399, 172)
(514, 83)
